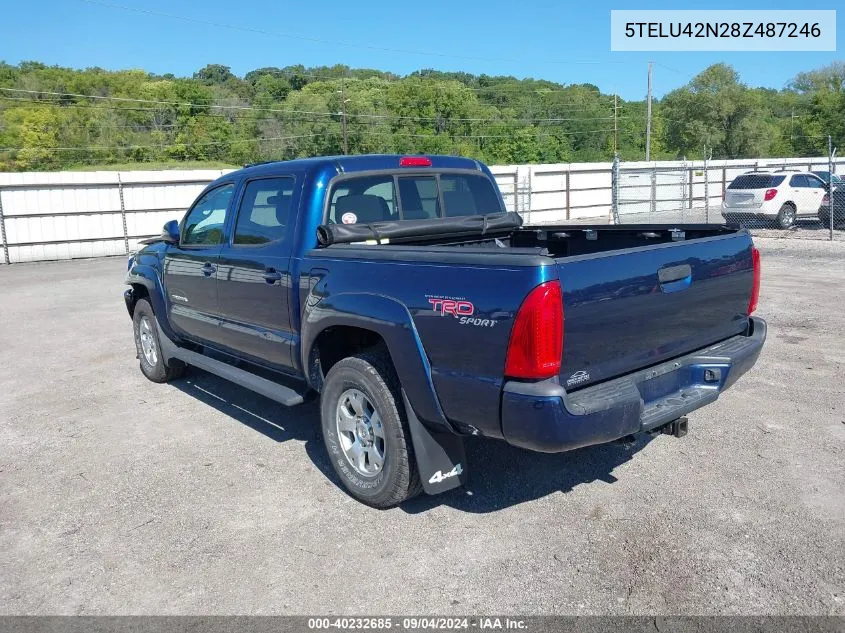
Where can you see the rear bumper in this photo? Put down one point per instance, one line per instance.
(750, 213)
(838, 216)
(543, 417)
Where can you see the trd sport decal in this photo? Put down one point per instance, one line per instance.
(459, 308)
(451, 306)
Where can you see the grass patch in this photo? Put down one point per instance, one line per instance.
(154, 166)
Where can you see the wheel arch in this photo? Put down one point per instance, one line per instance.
(145, 283)
(342, 325)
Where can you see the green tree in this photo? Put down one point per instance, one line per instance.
(718, 111)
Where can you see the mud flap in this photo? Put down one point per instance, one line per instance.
(440, 456)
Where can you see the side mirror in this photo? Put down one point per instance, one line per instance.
(170, 232)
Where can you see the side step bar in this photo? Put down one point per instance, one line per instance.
(267, 388)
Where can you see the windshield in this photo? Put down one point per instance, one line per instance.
(756, 181)
(825, 175)
(417, 196)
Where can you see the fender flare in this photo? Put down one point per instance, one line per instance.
(391, 320)
(147, 276)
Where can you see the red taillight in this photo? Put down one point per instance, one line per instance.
(536, 343)
(414, 161)
(770, 193)
(755, 288)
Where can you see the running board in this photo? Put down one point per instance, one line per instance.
(267, 388)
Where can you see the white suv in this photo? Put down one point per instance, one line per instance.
(778, 196)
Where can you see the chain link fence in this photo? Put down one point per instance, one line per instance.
(80, 214)
(790, 198)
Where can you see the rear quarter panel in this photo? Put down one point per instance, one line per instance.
(462, 311)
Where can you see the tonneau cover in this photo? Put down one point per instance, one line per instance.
(398, 231)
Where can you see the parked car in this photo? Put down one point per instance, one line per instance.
(838, 205)
(401, 291)
(781, 197)
(827, 177)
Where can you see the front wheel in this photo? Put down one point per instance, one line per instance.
(366, 432)
(148, 346)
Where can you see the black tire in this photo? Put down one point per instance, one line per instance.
(143, 319)
(786, 216)
(374, 376)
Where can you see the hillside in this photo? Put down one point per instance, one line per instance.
(57, 118)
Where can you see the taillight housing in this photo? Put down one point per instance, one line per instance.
(536, 343)
(770, 194)
(755, 288)
(415, 161)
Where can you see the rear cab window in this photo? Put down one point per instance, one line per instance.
(411, 196)
(265, 211)
(756, 181)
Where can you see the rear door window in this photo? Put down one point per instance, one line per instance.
(265, 211)
(799, 180)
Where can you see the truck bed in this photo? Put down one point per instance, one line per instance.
(633, 295)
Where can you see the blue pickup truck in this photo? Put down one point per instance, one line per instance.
(401, 291)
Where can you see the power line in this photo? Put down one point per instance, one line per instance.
(232, 117)
(257, 109)
(100, 148)
(172, 145)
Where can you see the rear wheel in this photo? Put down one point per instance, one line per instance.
(366, 431)
(786, 216)
(148, 345)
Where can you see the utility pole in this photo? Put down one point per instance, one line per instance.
(615, 125)
(648, 117)
(831, 153)
(343, 116)
(792, 126)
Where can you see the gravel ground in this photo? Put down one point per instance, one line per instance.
(118, 496)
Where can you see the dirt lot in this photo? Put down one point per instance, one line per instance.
(124, 497)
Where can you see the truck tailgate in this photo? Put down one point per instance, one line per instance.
(628, 309)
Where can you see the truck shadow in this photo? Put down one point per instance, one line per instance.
(500, 475)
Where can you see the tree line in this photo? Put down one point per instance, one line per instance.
(55, 118)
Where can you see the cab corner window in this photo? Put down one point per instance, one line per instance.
(265, 212)
(205, 221)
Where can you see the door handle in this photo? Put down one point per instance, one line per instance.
(674, 273)
(675, 278)
(208, 269)
(271, 276)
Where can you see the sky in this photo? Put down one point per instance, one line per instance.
(563, 42)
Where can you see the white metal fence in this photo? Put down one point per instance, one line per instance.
(693, 192)
(63, 215)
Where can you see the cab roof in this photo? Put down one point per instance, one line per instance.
(346, 164)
